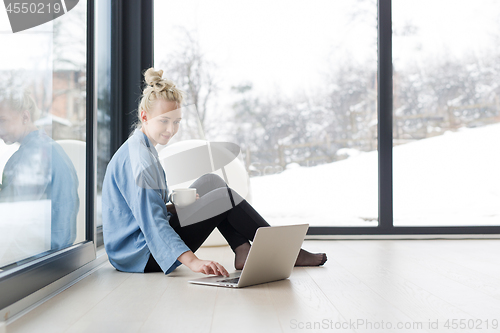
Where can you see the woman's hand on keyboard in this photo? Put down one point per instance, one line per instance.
(189, 259)
(208, 267)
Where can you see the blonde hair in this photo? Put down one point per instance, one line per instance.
(157, 88)
(19, 101)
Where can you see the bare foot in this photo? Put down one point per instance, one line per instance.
(241, 253)
(310, 259)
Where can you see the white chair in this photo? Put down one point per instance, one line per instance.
(237, 178)
(76, 151)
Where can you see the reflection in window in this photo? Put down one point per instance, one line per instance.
(42, 132)
(446, 112)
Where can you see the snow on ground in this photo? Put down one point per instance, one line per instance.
(452, 179)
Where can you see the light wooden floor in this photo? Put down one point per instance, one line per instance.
(372, 282)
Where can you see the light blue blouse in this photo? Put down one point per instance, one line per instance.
(134, 213)
(40, 170)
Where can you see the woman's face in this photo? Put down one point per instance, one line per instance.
(12, 125)
(161, 124)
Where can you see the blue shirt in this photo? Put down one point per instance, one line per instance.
(41, 170)
(134, 213)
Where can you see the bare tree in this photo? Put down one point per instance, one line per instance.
(70, 40)
(188, 67)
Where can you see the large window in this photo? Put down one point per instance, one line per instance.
(43, 137)
(47, 154)
(334, 136)
(446, 112)
(294, 84)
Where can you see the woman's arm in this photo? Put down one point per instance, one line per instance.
(189, 259)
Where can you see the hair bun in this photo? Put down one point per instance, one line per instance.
(154, 79)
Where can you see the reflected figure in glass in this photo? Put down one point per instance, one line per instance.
(38, 194)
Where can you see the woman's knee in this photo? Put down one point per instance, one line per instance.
(213, 179)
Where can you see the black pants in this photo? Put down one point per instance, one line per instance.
(237, 224)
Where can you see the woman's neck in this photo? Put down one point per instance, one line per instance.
(29, 129)
(153, 142)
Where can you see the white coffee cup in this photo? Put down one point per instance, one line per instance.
(182, 197)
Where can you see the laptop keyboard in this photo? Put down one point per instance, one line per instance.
(233, 280)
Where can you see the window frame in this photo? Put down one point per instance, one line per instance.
(385, 149)
(21, 281)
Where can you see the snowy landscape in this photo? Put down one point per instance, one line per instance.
(453, 179)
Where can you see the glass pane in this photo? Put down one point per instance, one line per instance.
(103, 83)
(42, 131)
(294, 86)
(446, 112)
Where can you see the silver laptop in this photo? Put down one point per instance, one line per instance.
(271, 258)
